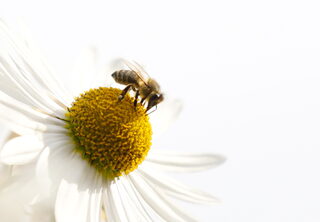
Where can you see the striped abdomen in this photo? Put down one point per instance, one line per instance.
(125, 77)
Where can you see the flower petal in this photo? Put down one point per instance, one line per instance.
(183, 162)
(18, 122)
(110, 208)
(32, 113)
(28, 58)
(157, 201)
(72, 204)
(133, 200)
(30, 90)
(77, 186)
(80, 198)
(17, 193)
(21, 150)
(96, 200)
(23, 120)
(175, 188)
(23, 73)
(116, 204)
(41, 209)
(54, 160)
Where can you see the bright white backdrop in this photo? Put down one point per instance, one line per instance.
(247, 72)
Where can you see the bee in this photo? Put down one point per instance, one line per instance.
(137, 79)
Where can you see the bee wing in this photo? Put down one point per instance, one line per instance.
(142, 70)
(142, 74)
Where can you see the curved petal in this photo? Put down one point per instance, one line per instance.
(18, 122)
(175, 188)
(47, 76)
(79, 194)
(134, 201)
(67, 176)
(160, 205)
(16, 77)
(117, 209)
(32, 113)
(41, 209)
(183, 162)
(71, 204)
(27, 122)
(19, 56)
(17, 193)
(112, 214)
(21, 150)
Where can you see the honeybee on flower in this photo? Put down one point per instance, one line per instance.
(84, 157)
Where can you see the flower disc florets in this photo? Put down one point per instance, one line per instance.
(113, 136)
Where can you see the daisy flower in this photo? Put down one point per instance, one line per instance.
(81, 154)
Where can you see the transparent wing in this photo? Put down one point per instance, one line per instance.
(140, 67)
(134, 66)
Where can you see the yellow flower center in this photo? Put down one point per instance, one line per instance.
(112, 135)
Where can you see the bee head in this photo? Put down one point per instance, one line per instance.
(154, 100)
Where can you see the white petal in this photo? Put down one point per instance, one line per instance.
(166, 113)
(22, 123)
(78, 186)
(46, 74)
(22, 119)
(96, 200)
(18, 122)
(133, 200)
(183, 162)
(5, 172)
(21, 150)
(79, 196)
(18, 191)
(20, 52)
(13, 71)
(41, 208)
(72, 203)
(32, 113)
(114, 205)
(157, 201)
(58, 156)
(52, 164)
(175, 188)
(109, 206)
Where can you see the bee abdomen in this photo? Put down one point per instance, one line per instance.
(125, 77)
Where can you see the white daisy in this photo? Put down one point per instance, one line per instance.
(85, 157)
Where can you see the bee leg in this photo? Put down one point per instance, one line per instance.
(151, 111)
(136, 98)
(144, 98)
(124, 92)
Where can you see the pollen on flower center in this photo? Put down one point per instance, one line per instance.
(113, 136)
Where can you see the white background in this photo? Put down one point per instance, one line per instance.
(247, 72)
